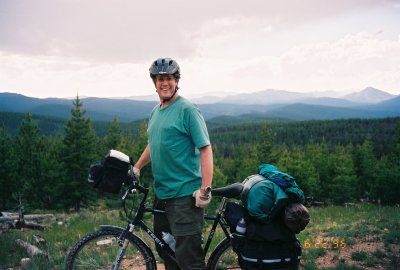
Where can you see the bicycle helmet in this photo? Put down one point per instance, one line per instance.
(165, 66)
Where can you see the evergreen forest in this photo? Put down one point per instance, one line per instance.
(43, 166)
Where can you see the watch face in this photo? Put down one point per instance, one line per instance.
(207, 189)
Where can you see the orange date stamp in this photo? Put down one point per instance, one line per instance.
(319, 242)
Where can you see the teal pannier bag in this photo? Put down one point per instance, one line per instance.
(262, 198)
(283, 180)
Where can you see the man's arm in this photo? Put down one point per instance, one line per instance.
(207, 167)
(202, 196)
(143, 161)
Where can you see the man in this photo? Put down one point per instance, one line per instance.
(181, 157)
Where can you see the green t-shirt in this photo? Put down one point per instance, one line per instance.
(175, 134)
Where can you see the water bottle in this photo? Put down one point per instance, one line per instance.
(169, 239)
(241, 227)
(238, 237)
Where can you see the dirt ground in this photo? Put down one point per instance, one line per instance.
(368, 244)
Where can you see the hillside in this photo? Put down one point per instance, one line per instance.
(51, 126)
(268, 104)
(227, 130)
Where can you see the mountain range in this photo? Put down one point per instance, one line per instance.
(258, 106)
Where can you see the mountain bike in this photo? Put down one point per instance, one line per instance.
(113, 247)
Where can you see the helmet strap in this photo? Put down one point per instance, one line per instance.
(173, 94)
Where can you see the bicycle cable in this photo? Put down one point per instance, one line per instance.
(128, 212)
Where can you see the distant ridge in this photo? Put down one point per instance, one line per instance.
(267, 104)
(369, 95)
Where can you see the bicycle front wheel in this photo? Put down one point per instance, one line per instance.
(223, 257)
(99, 250)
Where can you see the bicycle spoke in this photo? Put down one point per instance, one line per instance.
(99, 251)
(224, 257)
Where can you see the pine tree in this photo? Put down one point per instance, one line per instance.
(318, 155)
(300, 167)
(79, 151)
(388, 173)
(29, 148)
(265, 145)
(8, 176)
(113, 138)
(341, 187)
(246, 162)
(53, 173)
(394, 154)
(365, 165)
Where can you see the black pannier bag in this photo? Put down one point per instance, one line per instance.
(109, 174)
(233, 213)
(264, 246)
(269, 246)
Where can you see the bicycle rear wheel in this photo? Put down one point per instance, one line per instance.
(99, 249)
(223, 257)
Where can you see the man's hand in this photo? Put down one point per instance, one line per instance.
(136, 172)
(202, 198)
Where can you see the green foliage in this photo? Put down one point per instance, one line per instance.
(29, 149)
(340, 186)
(334, 161)
(359, 255)
(365, 165)
(393, 237)
(301, 167)
(62, 234)
(379, 254)
(348, 226)
(79, 151)
(53, 168)
(343, 266)
(113, 138)
(266, 142)
(8, 174)
(300, 133)
(387, 181)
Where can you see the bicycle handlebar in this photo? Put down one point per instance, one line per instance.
(230, 191)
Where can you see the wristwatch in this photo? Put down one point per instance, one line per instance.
(206, 195)
(206, 189)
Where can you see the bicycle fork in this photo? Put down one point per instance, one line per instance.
(123, 245)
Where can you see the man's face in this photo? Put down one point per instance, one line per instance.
(165, 85)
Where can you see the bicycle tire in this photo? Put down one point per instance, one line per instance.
(223, 257)
(98, 250)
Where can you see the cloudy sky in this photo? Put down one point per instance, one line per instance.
(103, 48)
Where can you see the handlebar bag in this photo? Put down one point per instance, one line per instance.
(109, 174)
(96, 174)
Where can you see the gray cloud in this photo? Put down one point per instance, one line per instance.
(135, 31)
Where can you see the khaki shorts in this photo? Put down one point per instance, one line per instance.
(185, 221)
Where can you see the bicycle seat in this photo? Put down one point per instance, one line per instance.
(231, 191)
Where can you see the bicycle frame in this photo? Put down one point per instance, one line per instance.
(137, 221)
